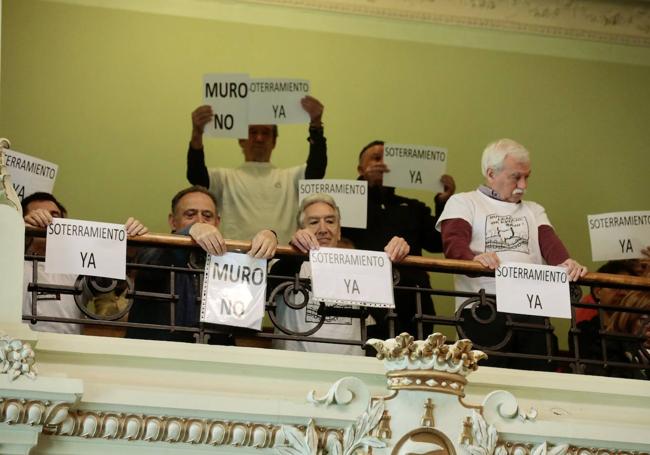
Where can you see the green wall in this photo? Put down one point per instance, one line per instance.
(107, 94)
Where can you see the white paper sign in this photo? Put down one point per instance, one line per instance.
(228, 96)
(533, 289)
(415, 166)
(350, 195)
(618, 235)
(358, 277)
(234, 291)
(29, 174)
(86, 248)
(275, 101)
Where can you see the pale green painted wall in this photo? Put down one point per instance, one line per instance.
(107, 94)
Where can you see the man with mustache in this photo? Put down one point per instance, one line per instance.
(493, 224)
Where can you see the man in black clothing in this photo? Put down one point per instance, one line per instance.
(392, 217)
(257, 194)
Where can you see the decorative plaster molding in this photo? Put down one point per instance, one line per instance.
(478, 438)
(483, 440)
(503, 404)
(342, 392)
(427, 365)
(356, 436)
(16, 411)
(522, 448)
(132, 427)
(7, 192)
(607, 20)
(16, 358)
(171, 429)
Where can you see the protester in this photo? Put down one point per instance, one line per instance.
(491, 225)
(399, 226)
(39, 209)
(257, 194)
(193, 213)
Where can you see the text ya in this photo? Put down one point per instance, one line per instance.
(278, 111)
(416, 177)
(626, 246)
(20, 191)
(352, 286)
(534, 302)
(88, 260)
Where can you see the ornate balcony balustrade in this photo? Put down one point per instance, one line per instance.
(477, 314)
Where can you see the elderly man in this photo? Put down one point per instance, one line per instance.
(193, 213)
(319, 219)
(399, 226)
(493, 224)
(257, 194)
(39, 209)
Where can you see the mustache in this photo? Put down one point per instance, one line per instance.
(518, 191)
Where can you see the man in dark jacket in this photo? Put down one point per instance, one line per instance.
(392, 218)
(193, 213)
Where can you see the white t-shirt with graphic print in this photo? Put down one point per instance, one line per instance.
(505, 228)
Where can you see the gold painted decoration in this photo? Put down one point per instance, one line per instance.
(436, 441)
(18, 411)
(404, 351)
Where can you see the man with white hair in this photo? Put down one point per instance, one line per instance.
(493, 224)
(319, 221)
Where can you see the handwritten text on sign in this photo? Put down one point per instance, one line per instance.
(415, 166)
(228, 96)
(352, 276)
(274, 101)
(533, 289)
(29, 174)
(234, 291)
(350, 195)
(86, 248)
(620, 235)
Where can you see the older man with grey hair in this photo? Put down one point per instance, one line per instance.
(493, 224)
(319, 221)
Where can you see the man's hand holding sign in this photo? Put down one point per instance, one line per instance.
(352, 276)
(533, 289)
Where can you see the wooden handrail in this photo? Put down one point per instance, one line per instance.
(430, 264)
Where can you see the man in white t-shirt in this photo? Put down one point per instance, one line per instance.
(257, 195)
(492, 225)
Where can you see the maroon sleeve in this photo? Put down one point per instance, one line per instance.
(553, 250)
(456, 237)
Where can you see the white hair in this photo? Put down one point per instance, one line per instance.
(313, 199)
(495, 154)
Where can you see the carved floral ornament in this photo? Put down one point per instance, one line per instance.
(16, 358)
(605, 20)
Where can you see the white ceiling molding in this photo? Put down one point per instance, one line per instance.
(612, 21)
